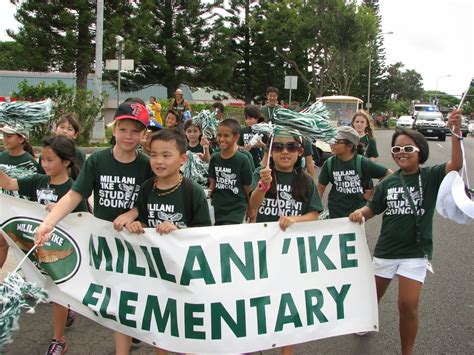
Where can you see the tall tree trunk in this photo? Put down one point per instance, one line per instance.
(83, 50)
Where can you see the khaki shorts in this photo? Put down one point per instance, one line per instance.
(414, 269)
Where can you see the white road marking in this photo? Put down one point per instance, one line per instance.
(439, 145)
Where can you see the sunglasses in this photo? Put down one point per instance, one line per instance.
(291, 147)
(396, 149)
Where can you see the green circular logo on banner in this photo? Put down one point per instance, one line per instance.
(60, 257)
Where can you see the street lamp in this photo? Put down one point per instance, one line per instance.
(369, 104)
(119, 40)
(437, 80)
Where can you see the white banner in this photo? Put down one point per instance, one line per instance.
(244, 287)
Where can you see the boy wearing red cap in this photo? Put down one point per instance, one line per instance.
(115, 176)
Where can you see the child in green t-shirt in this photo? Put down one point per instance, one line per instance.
(282, 191)
(348, 172)
(59, 156)
(169, 201)
(197, 143)
(361, 123)
(407, 200)
(68, 126)
(19, 154)
(230, 176)
(253, 115)
(114, 175)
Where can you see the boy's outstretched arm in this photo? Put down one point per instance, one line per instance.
(7, 182)
(65, 205)
(212, 186)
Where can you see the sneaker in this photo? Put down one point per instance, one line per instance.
(71, 317)
(57, 347)
(361, 334)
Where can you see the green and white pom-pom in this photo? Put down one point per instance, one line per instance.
(29, 114)
(16, 172)
(208, 122)
(16, 294)
(195, 169)
(313, 123)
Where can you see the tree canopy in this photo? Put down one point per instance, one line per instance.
(240, 46)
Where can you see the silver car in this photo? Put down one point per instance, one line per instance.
(405, 122)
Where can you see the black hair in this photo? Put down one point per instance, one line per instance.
(176, 114)
(135, 99)
(253, 111)
(219, 106)
(65, 149)
(272, 89)
(27, 147)
(301, 182)
(232, 124)
(418, 138)
(72, 118)
(173, 134)
(153, 97)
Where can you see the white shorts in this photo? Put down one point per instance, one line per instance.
(414, 269)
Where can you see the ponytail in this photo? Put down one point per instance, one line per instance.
(27, 147)
(301, 182)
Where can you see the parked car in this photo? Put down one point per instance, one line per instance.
(431, 124)
(405, 122)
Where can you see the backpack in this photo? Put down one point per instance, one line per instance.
(187, 195)
(366, 183)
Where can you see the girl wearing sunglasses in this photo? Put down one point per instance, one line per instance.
(407, 200)
(282, 191)
(349, 174)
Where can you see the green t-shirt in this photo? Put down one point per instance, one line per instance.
(285, 205)
(245, 153)
(267, 112)
(347, 193)
(370, 147)
(80, 159)
(398, 238)
(115, 184)
(25, 161)
(198, 149)
(38, 188)
(231, 175)
(246, 135)
(170, 207)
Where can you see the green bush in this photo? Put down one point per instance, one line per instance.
(65, 99)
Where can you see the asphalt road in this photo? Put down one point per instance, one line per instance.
(446, 309)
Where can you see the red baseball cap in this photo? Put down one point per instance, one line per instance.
(132, 111)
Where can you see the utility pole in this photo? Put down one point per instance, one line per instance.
(98, 133)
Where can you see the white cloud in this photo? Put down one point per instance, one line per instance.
(433, 37)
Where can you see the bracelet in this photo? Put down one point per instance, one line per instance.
(263, 187)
